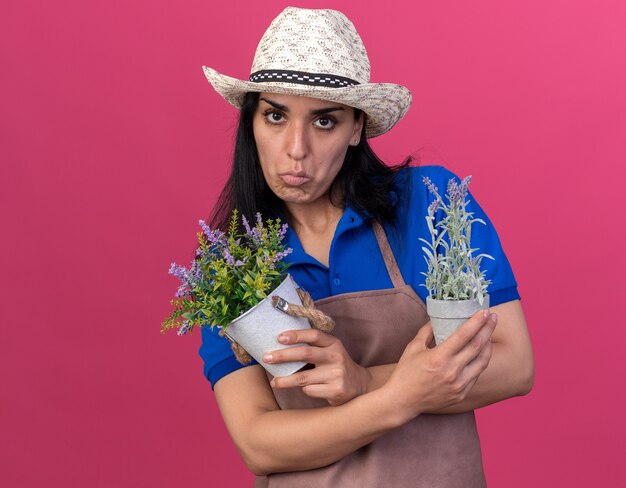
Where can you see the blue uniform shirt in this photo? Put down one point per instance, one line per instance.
(356, 263)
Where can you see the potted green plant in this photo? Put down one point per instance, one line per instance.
(456, 284)
(230, 285)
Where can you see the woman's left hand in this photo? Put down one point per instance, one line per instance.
(335, 378)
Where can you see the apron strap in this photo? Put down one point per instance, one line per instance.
(385, 249)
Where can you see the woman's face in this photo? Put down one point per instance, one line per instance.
(302, 143)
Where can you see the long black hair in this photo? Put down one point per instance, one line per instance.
(363, 180)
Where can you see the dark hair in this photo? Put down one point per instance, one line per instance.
(364, 180)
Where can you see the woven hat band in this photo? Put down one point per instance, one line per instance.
(302, 78)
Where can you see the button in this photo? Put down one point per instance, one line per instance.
(337, 281)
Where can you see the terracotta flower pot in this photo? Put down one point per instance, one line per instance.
(448, 315)
(257, 330)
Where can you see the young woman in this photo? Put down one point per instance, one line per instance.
(381, 406)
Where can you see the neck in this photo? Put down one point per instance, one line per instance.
(314, 217)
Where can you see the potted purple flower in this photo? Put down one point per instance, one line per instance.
(230, 285)
(457, 286)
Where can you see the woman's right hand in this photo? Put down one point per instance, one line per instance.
(428, 379)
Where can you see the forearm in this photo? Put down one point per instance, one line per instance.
(503, 378)
(294, 440)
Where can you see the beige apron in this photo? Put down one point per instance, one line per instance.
(440, 451)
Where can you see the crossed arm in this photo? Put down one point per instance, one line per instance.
(478, 365)
(510, 372)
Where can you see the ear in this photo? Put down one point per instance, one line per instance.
(358, 129)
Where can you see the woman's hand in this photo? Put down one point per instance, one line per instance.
(335, 378)
(428, 379)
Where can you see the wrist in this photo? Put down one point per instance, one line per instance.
(388, 413)
(401, 410)
(367, 381)
(379, 375)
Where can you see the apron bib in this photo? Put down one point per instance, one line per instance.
(431, 450)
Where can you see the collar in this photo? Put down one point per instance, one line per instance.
(348, 221)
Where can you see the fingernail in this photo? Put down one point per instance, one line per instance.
(267, 358)
(493, 317)
(272, 383)
(283, 338)
(486, 313)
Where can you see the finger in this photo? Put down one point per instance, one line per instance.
(311, 336)
(324, 391)
(426, 335)
(474, 347)
(300, 379)
(474, 369)
(421, 340)
(308, 354)
(465, 333)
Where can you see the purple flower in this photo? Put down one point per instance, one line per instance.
(184, 328)
(230, 259)
(215, 237)
(188, 277)
(195, 274)
(454, 193)
(280, 255)
(254, 233)
(179, 272)
(256, 236)
(432, 208)
(464, 184)
(205, 228)
(431, 186)
(246, 224)
(183, 290)
(282, 232)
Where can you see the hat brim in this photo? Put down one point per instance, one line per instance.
(384, 103)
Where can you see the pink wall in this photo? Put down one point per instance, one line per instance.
(113, 145)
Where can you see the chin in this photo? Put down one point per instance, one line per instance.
(291, 194)
(307, 193)
(294, 197)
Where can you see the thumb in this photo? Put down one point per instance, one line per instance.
(425, 335)
(421, 340)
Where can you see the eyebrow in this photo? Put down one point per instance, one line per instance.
(319, 111)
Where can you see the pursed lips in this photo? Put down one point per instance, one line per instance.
(294, 178)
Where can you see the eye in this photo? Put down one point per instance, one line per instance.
(326, 123)
(273, 117)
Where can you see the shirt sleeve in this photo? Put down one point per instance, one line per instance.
(503, 286)
(219, 359)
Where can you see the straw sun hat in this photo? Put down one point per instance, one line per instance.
(317, 54)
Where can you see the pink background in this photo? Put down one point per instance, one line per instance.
(113, 145)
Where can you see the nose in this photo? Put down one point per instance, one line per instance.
(297, 142)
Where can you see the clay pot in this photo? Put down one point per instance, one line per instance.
(448, 315)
